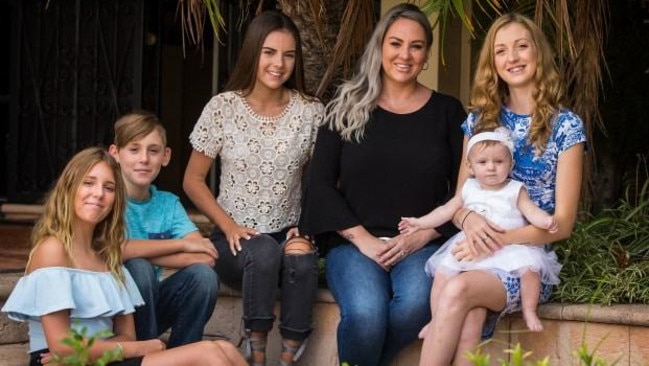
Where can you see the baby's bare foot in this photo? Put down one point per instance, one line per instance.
(423, 331)
(533, 322)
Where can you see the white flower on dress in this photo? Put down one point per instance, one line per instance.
(264, 207)
(252, 187)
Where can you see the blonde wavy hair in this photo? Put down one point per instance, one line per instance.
(490, 92)
(58, 214)
(349, 110)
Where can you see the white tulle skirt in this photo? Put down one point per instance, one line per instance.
(514, 258)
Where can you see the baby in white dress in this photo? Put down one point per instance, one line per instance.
(504, 202)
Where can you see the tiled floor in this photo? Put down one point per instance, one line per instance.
(14, 246)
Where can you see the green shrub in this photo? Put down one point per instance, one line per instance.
(606, 260)
(81, 343)
(519, 357)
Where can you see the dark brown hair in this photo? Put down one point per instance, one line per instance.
(244, 74)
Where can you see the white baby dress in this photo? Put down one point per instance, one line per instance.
(500, 207)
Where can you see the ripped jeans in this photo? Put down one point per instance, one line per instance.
(257, 270)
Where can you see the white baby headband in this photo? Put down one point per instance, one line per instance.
(500, 134)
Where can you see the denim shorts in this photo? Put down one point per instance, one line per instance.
(512, 284)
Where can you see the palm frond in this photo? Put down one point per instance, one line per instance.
(443, 9)
(314, 9)
(192, 15)
(216, 18)
(351, 42)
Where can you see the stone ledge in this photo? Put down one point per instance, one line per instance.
(14, 354)
(627, 314)
(615, 332)
(7, 282)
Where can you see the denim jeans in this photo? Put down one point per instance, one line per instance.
(183, 301)
(380, 312)
(257, 271)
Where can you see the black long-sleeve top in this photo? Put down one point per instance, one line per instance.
(405, 165)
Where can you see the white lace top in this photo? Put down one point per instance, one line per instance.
(262, 158)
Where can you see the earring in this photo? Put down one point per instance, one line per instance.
(425, 67)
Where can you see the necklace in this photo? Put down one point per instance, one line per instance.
(264, 118)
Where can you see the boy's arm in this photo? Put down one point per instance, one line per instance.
(198, 250)
(159, 249)
(150, 248)
(533, 213)
(182, 260)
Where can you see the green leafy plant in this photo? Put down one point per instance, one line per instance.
(81, 344)
(606, 260)
(588, 358)
(519, 357)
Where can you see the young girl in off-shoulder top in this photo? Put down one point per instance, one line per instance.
(74, 277)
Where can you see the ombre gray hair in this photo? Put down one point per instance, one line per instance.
(349, 111)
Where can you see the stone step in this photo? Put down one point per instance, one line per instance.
(613, 333)
(14, 246)
(618, 332)
(14, 354)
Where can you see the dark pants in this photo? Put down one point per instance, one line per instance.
(183, 301)
(257, 271)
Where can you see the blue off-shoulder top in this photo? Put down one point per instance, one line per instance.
(93, 299)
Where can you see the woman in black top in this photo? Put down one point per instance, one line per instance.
(391, 148)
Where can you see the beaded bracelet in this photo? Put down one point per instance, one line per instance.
(464, 219)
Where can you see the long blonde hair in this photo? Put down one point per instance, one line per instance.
(58, 213)
(490, 92)
(349, 111)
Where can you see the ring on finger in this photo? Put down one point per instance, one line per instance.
(401, 253)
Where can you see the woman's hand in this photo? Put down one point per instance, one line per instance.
(482, 237)
(397, 248)
(146, 347)
(47, 358)
(234, 233)
(372, 247)
(293, 232)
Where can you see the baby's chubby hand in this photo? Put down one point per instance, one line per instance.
(408, 225)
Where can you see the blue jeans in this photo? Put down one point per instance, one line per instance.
(257, 271)
(380, 312)
(183, 301)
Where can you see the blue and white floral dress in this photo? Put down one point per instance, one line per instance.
(539, 174)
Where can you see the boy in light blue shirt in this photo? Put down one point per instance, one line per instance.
(160, 234)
